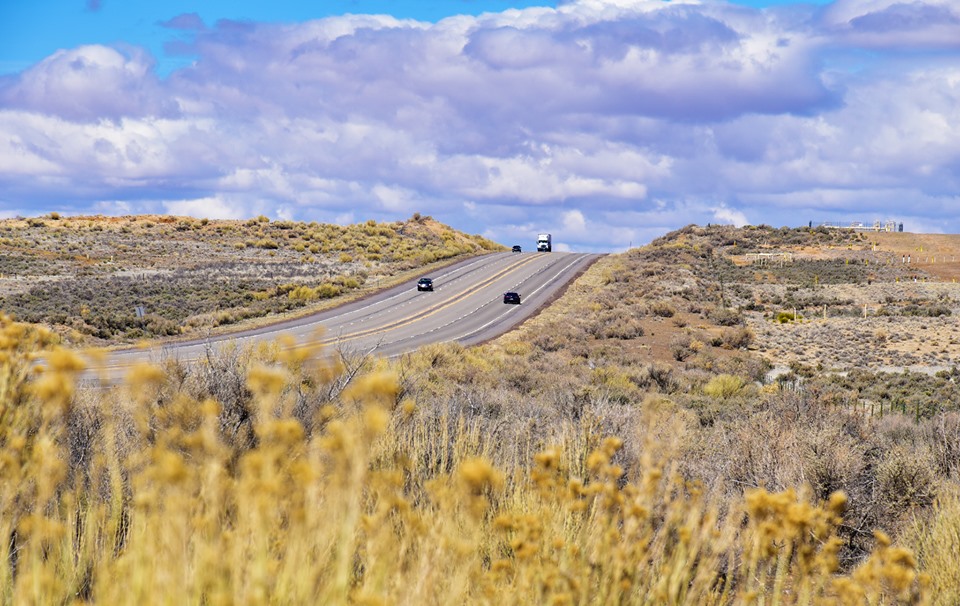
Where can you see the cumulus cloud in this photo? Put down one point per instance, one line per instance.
(604, 122)
(723, 214)
(90, 83)
(211, 208)
(574, 222)
(886, 24)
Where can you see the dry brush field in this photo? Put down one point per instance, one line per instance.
(86, 276)
(628, 445)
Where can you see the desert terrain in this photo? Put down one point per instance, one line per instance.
(688, 421)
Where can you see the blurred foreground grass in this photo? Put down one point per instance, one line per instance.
(333, 485)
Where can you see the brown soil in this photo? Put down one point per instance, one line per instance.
(887, 343)
(659, 332)
(936, 254)
(877, 341)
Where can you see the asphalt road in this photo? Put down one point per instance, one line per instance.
(466, 306)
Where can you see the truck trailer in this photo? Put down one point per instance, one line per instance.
(544, 243)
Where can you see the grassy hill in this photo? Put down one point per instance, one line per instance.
(87, 275)
(627, 445)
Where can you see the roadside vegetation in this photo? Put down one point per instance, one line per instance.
(87, 276)
(628, 445)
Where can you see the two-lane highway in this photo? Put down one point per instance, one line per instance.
(466, 306)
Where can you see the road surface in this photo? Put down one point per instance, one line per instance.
(465, 306)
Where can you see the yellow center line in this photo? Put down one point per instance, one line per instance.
(117, 365)
(429, 311)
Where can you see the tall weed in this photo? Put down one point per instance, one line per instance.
(379, 498)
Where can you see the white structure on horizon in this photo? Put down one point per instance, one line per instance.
(890, 226)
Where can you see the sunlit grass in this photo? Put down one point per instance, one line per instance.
(374, 500)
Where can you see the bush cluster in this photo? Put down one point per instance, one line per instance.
(558, 464)
(320, 477)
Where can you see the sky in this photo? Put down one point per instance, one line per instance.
(604, 122)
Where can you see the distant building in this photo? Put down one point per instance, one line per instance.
(890, 226)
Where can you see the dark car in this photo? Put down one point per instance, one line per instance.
(511, 297)
(516, 248)
(425, 284)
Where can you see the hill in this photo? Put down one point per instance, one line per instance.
(86, 276)
(797, 298)
(936, 254)
(736, 342)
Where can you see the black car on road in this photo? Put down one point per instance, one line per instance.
(511, 297)
(516, 248)
(425, 284)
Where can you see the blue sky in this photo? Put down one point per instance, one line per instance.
(32, 30)
(606, 122)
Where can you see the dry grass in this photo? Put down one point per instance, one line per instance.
(566, 462)
(379, 498)
(938, 541)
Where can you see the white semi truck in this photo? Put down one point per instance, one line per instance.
(544, 243)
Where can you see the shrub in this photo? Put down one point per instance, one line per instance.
(614, 325)
(785, 317)
(327, 291)
(906, 479)
(662, 308)
(683, 346)
(548, 340)
(348, 282)
(739, 337)
(726, 317)
(303, 293)
(312, 482)
(723, 386)
(158, 326)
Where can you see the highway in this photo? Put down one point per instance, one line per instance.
(465, 306)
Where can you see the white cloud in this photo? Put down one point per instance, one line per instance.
(887, 24)
(396, 199)
(210, 208)
(574, 223)
(92, 83)
(603, 121)
(723, 214)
